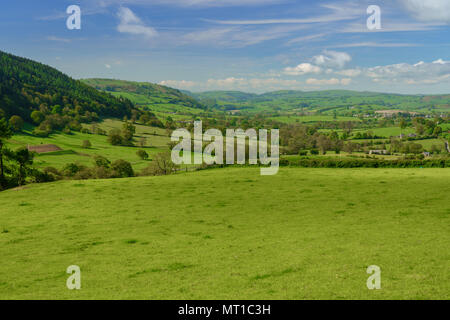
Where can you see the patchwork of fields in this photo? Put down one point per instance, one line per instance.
(231, 234)
(156, 140)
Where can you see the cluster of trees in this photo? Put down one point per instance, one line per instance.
(122, 137)
(15, 166)
(150, 119)
(405, 147)
(296, 138)
(366, 135)
(105, 169)
(102, 169)
(424, 127)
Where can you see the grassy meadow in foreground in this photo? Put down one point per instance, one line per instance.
(231, 234)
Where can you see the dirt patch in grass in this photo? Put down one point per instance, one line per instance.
(44, 148)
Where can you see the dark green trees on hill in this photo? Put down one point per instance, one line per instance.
(46, 97)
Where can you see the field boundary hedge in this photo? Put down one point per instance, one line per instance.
(365, 163)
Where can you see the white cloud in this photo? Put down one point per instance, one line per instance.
(329, 82)
(182, 84)
(130, 23)
(429, 10)
(349, 72)
(440, 61)
(421, 72)
(332, 59)
(301, 69)
(233, 83)
(346, 81)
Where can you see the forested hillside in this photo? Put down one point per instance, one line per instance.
(27, 86)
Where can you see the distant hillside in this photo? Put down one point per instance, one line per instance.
(26, 85)
(230, 96)
(323, 100)
(145, 94)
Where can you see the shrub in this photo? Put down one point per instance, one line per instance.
(101, 173)
(122, 169)
(84, 174)
(37, 117)
(101, 161)
(53, 172)
(365, 163)
(37, 176)
(16, 123)
(303, 153)
(115, 138)
(142, 154)
(314, 151)
(71, 169)
(161, 165)
(86, 144)
(41, 133)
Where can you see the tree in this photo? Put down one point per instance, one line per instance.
(86, 144)
(122, 169)
(57, 109)
(101, 161)
(37, 117)
(436, 149)
(142, 154)
(24, 158)
(437, 131)
(16, 123)
(420, 129)
(5, 133)
(114, 137)
(142, 142)
(161, 165)
(403, 124)
(128, 131)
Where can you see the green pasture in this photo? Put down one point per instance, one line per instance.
(231, 234)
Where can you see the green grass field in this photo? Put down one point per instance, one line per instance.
(156, 142)
(312, 119)
(231, 234)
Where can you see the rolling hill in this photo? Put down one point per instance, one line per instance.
(323, 100)
(145, 93)
(27, 85)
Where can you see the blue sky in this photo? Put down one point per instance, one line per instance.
(247, 45)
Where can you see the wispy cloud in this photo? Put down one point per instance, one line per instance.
(374, 44)
(339, 13)
(238, 36)
(53, 38)
(187, 3)
(428, 10)
(130, 23)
